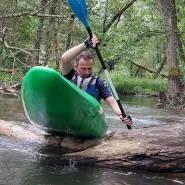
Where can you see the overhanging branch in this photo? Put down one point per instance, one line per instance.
(145, 68)
(129, 3)
(36, 13)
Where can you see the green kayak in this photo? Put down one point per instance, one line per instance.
(56, 105)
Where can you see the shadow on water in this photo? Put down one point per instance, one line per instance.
(19, 164)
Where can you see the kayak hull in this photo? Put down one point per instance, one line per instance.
(55, 104)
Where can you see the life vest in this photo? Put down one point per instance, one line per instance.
(88, 85)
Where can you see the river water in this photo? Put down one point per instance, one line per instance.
(19, 166)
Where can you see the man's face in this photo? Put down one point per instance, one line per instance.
(85, 68)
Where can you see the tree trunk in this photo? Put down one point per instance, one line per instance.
(37, 47)
(162, 63)
(70, 31)
(50, 31)
(168, 13)
(156, 148)
(56, 45)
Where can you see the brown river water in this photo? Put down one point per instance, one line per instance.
(19, 166)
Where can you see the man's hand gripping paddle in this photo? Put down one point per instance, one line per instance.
(80, 9)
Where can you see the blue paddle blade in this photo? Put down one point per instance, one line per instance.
(80, 9)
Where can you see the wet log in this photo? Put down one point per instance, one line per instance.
(14, 89)
(160, 148)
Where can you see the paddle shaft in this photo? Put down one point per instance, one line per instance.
(80, 9)
(108, 77)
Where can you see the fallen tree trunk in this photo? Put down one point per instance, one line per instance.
(14, 89)
(159, 148)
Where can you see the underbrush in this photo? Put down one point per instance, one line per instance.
(132, 85)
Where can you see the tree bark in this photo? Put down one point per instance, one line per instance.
(49, 33)
(168, 13)
(155, 149)
(70, 31)
(38, 38)
(162, 64)
(56, 44)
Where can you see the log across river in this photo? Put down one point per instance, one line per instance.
(160, 148)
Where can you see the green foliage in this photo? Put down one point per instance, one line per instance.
(125, 84)
(138, 33)
(131, 85)
(181, 17)
(10, 79)
(182, 80)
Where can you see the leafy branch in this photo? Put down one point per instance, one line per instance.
(36, 13)
(116, 16)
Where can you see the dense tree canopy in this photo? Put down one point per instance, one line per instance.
(134, 36)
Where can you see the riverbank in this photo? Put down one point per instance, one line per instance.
(144, 86)
(123, 85)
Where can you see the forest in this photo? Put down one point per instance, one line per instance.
(142, 42)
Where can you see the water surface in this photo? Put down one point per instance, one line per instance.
(19, 164)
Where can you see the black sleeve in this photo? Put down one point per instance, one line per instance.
(70, 75)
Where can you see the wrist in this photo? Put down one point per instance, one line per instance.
(120, 115)
(85, 46)
(88, 43)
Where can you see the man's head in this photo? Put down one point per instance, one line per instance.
(84, 63)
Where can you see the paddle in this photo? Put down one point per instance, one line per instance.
(80, 9)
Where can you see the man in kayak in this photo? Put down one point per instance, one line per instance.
(82, 75)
